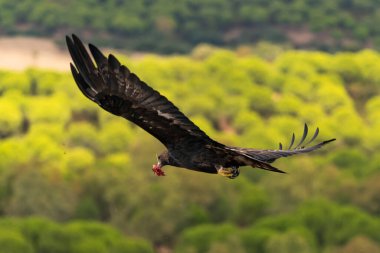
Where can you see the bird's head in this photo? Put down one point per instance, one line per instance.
(162, 160)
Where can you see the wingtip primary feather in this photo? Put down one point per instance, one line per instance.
(75, 37)
(73, 68)
(314, 136)
(97, 54)
(78, 43)
(82, 85)
(82, 61)
(328, 141)
(87, 61)
(114, 62)
(305, 131)
(70, 46)
(292, 141)
(68, 39)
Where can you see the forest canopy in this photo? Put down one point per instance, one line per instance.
(67, 160)
(167, 26)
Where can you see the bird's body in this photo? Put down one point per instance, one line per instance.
(113, 87)
(201, 157)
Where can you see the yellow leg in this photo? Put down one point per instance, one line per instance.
(231, 173)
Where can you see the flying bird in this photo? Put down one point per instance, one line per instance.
(119, 91)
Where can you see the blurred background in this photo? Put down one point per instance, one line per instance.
(76, 179)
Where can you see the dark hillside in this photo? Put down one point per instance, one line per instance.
(168, 26)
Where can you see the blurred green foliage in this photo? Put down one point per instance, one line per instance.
(64, 158)
(41, 235)
(176, 26)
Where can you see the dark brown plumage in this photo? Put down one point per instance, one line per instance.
(113, 87)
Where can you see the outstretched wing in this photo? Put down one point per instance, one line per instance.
(271, 155)
(113, 87)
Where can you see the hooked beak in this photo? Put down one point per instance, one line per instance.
(158, 165)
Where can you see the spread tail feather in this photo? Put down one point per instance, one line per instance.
(246, 159)
(265, 166)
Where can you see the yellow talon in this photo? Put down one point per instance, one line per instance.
(228, 172)
(225, 172)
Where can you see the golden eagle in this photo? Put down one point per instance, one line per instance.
(119, 91)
